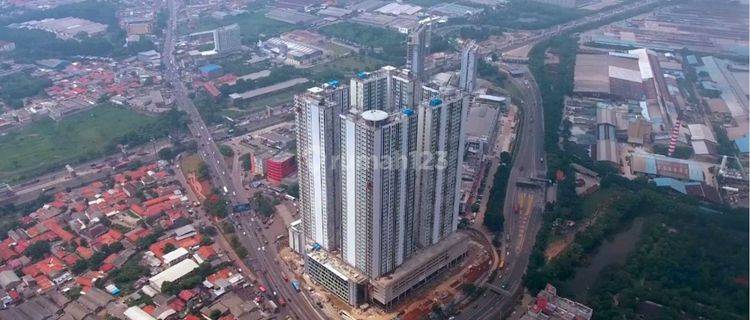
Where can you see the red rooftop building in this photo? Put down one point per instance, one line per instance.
(280, 166)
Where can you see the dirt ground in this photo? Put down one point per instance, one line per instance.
(558, 246)
(443, 289)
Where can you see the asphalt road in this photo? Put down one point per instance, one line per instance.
(524, 205)
(521, 226)
(522, 229)
(270, 275)
(545, 34)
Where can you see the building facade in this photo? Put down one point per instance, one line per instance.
(227, 39)
(403, 89)
(468, 76)
(378, 177)
(369, 90)
(417, 49)
(340, 279)
(388, 208)
(317, 151)
(441, 147)
(280, 166)
(296, 237)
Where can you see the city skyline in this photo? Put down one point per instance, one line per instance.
(412, 160)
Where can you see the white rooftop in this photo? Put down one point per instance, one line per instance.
(173, 273)
(174, 255)
(374, 115)
(396, 9)
(136, 313)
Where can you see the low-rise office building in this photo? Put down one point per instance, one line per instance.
(172, 274)
(419, 269)
(345, 282)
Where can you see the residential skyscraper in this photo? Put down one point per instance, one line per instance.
(317, 119)
(441, 147)
(227, 39)
(404, 90)
(468, 75)
(378, 182)
(388, 89)
(399, 170)
(369, 90)
(417, 48)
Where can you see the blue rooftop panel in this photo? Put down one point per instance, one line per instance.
(695, 172)
(210, 68)
(743, 144)
(650, 165)
(675, 184)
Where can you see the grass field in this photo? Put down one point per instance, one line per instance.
(47, 144)
(339, 69)
(253, 26)
(191, 163)
(390, 45)
(344, 68)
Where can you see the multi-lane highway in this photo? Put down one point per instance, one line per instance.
(545, 34)
(523, 208)
(521, 226)
(524, 203)
(266, 266)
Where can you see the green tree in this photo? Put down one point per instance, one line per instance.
(493, 215)
(168, 248)
(487, 71)
(263, 205)
(293, 190)
(202, 172)
(726, 146)
(208, 230)
(215, 314)
(216, 205)
(80, 266)
(505, 157)
(21, 85)
(226, 150)
(475, 207)
(170, 288)
(166, 153)
(227, 227)
(206, 240)
(37, 250)
(239, 249)
(247, 162)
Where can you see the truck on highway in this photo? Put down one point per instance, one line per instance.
(226, 190)
(295, 285)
